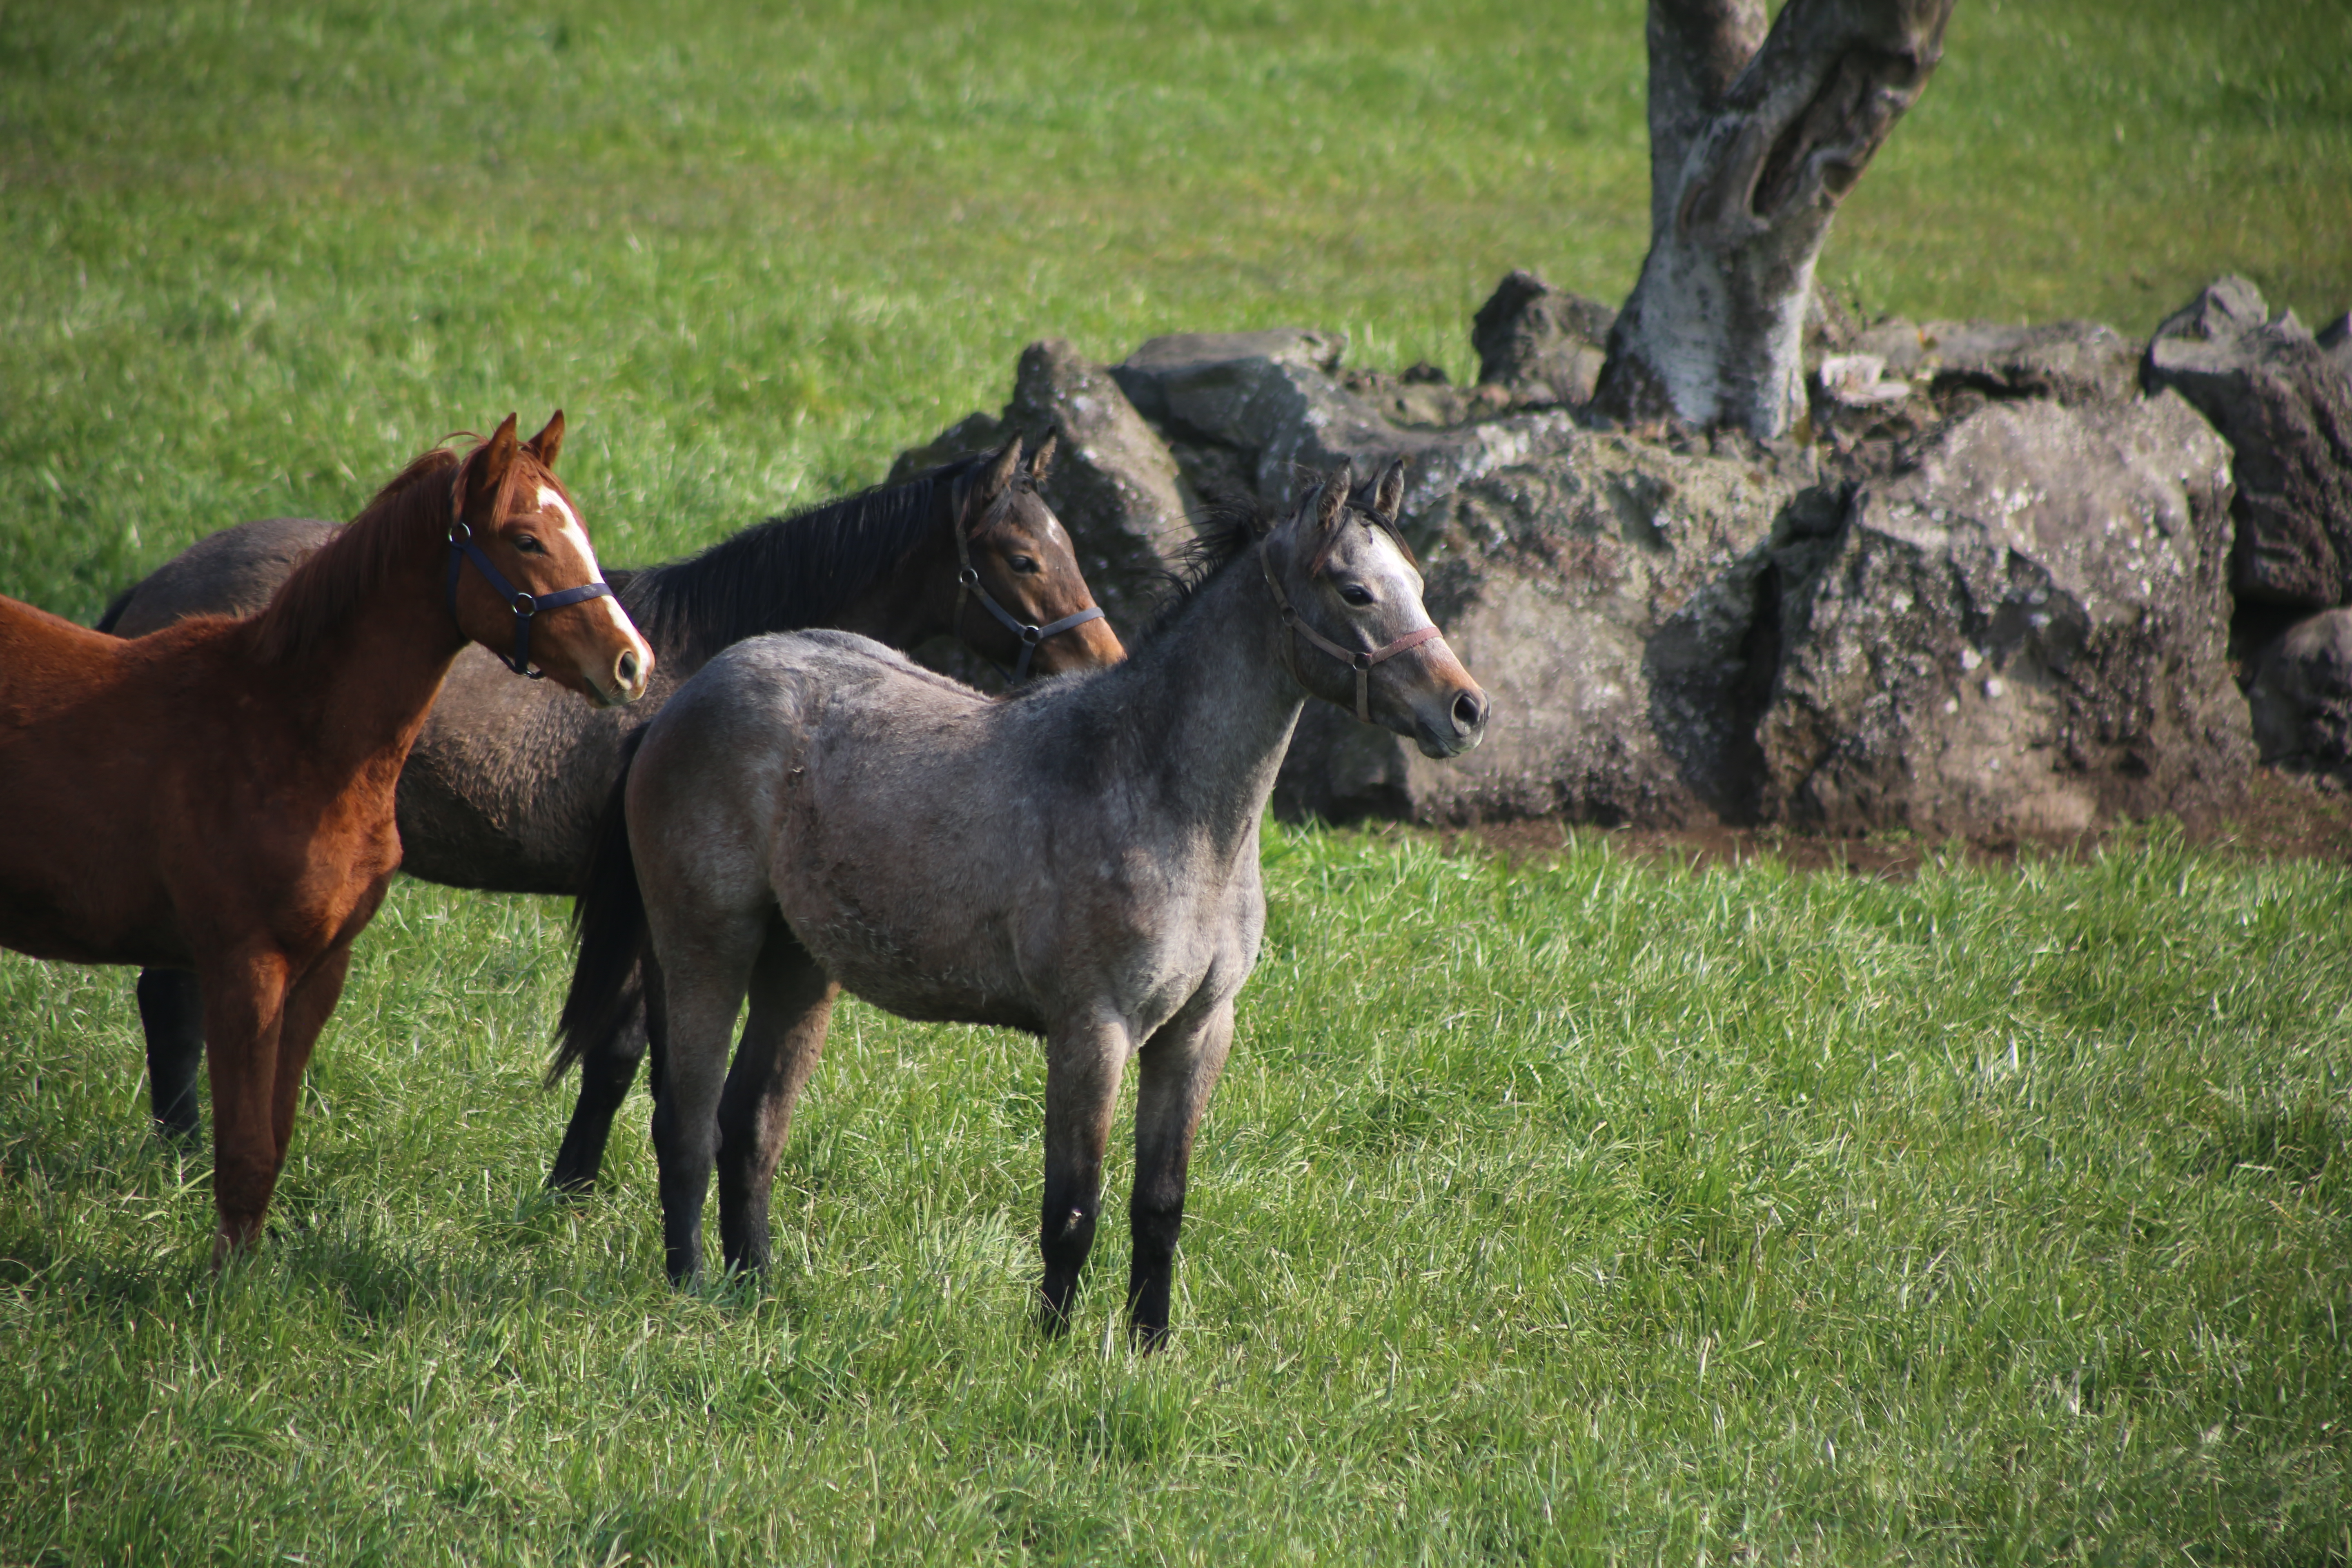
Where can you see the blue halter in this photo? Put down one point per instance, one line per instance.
(463, 549)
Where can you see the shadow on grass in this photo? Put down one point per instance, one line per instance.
(2295, 1146)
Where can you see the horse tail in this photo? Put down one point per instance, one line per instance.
(113, 616)
(608, 918)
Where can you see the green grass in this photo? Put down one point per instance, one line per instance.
(1576, 1213)
(252, 257)
(1572, 1213)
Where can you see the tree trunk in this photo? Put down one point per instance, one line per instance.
(1751, 149)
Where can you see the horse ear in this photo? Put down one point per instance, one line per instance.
(1388, 496)
(999, 474)
(1333, 501)
(1041, 461)
(487, 472)
(547, 442)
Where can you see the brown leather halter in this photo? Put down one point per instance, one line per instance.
(1360, 660)
(968, 582)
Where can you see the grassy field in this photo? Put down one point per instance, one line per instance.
(253, 256)
(1567, 1210)
(1574, 1213)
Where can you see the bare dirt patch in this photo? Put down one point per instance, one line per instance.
(2283, 818)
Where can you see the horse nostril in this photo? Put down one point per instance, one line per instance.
(627, 668)
(1469, 712)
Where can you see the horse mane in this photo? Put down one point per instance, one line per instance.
(1225, 536)
(792, 572)
(322, 592)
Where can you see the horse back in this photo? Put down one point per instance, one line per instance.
(232, 573)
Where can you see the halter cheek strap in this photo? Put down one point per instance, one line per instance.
(1356, 660)
(968, 582)
(463, 549)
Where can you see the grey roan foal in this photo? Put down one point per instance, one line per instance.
(812, 811)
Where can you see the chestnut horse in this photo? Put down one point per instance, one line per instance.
(504, 786)
(812, 811)
(218, 797)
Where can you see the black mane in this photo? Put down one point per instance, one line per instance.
(1225, 537)
(791, 573)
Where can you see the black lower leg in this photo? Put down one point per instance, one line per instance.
(1153, 1219)
(172, 1015)
(684, 1185)
(606, 1074)
(1065, 1238)
(743, 1215)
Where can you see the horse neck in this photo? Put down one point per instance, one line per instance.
(366, 683)
(1209, 704)
(784, 577)
(911, 604)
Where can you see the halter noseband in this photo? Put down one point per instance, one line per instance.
(1357, 659)
(463, 549)
(1031, 634)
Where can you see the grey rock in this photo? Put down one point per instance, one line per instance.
(2067, 362)
(2336, 339)
(1112, 482)
(1530, 335)
(2074, 362)
(2028, 630)
(2301, 696)
(2285, 402)
(1249, 416)
(1597, 592)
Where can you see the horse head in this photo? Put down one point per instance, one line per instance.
(1019, 565)
(1347, 587)
(536, 597)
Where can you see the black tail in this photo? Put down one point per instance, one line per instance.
(120, 603)
(609, 919)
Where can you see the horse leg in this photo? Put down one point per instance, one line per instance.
(309, 1004)
(244, 1002)
(607, 1070)
(1179, 1068)
(1082, 1071)
(792, 1005)
(710, 957)
(171, 1016)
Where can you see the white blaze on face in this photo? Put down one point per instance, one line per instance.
(551, 500)
(1385, 565)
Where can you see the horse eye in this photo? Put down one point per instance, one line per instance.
(529, 545)
(1356, 594)
(1022, 563)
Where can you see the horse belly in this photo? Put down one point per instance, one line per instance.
(79, 878)
(504, 786)
(915, 969)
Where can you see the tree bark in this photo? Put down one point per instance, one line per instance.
(1751, 149)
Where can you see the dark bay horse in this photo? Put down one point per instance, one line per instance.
(504, 786)
(813, 812)
(217, 796)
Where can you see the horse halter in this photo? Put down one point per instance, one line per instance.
(1031, 634)
(1357, 659)
(463, 549)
